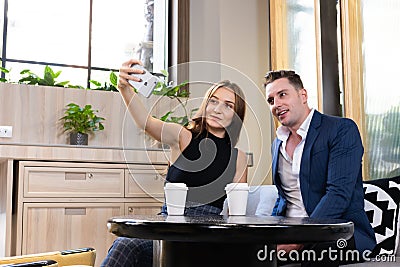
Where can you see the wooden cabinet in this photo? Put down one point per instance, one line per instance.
(70, 181)
(145, 181)
(66, 205)
(142, 208)
(57, 226)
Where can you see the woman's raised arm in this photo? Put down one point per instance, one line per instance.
(167, 133)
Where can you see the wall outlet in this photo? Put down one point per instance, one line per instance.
(6, 131)
(250, 159)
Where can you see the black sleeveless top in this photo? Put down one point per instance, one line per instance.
(206, 165)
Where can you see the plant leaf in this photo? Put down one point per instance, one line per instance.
(113, 79)
(4, 70)
(96, 83)
(165, 73)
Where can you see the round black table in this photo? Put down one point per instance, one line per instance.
(226, 240)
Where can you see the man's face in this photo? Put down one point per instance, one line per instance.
(286, 103)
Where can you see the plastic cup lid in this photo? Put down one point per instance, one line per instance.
(175, 186)
(237, 186)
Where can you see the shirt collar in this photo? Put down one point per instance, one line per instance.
(283, 132)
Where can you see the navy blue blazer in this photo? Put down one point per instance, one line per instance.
(330, 175)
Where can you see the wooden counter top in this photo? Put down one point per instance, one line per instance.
(83, 153)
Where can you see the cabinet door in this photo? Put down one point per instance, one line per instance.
(59, 226)
(143, 208)
(145, 182)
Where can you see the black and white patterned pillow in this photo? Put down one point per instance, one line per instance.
(382, 201)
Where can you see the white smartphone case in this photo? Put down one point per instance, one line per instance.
(148, 83)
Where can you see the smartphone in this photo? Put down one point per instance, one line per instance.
(148, 81)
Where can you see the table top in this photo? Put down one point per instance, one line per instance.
(241, 229)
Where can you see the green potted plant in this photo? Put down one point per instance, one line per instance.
(179, 93)
(79, 122)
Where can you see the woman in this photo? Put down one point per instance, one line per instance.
(203, 155)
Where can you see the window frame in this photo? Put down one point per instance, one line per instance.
(353, 82)
(351, 56)
(166, 53)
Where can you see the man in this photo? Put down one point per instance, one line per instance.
(316, 163)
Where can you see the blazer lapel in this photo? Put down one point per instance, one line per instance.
(305, 165)
(275, 156)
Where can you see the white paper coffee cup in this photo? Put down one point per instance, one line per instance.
(237, 194)
(175, 198)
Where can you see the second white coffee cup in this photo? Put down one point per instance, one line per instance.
(237, 194)
(175, 198)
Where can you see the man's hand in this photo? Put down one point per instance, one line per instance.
(289, 247)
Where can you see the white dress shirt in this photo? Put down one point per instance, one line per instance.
(289, 169)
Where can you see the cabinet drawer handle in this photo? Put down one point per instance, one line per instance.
(75, 176)
(90, 175)
(75, 211)
(130, 209)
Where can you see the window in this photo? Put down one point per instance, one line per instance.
(84, 39)
(367, 38)
(304, 40)
(294, 43)
(370, 61)
(381, 40)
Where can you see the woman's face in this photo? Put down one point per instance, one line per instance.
(220, 109)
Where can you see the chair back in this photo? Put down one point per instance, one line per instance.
(47, 263)
(81, 256)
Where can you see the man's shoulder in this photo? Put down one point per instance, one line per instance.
(334, 125)
(333, 120)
